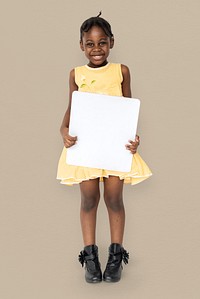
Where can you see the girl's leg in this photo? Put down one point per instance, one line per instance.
(113, 189)
(90, 195)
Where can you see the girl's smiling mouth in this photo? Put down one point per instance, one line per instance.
(97, 57)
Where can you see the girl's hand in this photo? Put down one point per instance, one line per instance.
(132, 147)
(67, 139)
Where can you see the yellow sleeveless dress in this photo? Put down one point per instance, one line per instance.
(104, 80)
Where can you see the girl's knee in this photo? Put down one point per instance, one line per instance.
(89, 203)
(115, 203)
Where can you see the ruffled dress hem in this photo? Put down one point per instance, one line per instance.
(70, 181)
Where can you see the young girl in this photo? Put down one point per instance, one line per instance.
(100, 76)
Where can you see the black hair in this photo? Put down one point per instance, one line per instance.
(96, 21)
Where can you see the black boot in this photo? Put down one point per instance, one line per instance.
(114, 267)
(89, 256)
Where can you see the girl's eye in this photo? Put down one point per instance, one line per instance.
(102, 43)
(90, 45)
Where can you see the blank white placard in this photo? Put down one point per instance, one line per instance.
(103, 125)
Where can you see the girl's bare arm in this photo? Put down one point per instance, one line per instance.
(64, 129)
(126, 91)
(126, 83)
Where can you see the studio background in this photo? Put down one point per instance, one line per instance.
(40, 229)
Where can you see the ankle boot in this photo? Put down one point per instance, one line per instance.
(114, 267)
(89, 256)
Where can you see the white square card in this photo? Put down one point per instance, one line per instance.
(103, 125)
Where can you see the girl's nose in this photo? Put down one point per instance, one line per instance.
(96, 47)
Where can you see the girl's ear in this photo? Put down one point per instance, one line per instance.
(112, 42)
(81, 45)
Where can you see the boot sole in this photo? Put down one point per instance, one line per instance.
(111, 280)
(93, 281)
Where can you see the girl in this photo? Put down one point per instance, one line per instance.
(100, 76)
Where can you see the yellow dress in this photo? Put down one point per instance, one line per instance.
(103, 80)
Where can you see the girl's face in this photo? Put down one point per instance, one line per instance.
(96, 45)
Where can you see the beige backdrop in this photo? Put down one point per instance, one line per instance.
(40, 230)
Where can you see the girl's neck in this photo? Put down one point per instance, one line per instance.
(97, 66)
